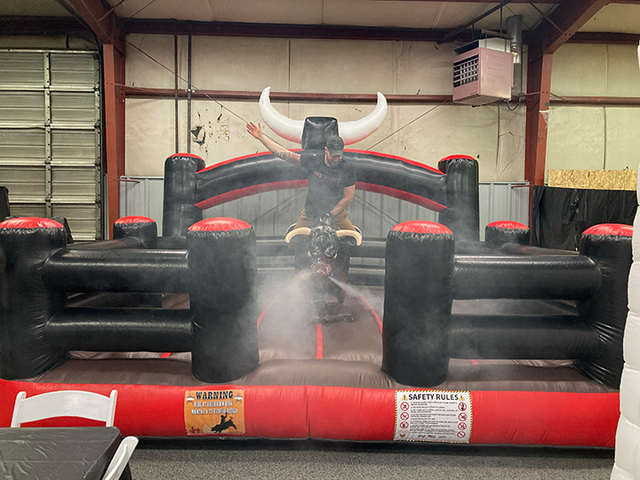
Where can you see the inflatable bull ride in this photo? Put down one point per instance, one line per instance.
(454, 340)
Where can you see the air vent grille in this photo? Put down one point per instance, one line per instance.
(465, 71)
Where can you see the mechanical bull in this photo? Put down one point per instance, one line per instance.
(322, 249)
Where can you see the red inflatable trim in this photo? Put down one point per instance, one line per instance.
(246, 191)
(395, 193)
(451, 157)
(30, 222)
(615, 229)
(135, 219)
(259, 154)
(350, 413)
(219, 224)
(406, 160)
(507, 225)
(191, 155)
(421, 226)
(395, 157)
(319, 342)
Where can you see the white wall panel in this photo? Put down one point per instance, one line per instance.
(579, 137)
(575, 138)
(239, 63)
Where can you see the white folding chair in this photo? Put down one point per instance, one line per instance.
(64, 403)
(121, 458)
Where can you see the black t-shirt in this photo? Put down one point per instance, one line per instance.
(326, 184)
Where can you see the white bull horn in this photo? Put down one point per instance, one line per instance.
(350, 233)
(296, 232)
(352, 132)
(283, 126)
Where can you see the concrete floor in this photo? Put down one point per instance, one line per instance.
(160, 459)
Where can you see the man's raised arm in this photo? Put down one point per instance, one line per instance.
(256, 132)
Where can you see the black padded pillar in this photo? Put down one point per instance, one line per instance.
(609, 246)
(179, 210)
(417, 303)
(26, 303)
(222, 274)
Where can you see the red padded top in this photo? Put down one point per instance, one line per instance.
(219, 224)
(30, 222)
(421, 226)
(616, 229)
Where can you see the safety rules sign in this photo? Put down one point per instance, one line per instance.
(214, 412)
(433, 416)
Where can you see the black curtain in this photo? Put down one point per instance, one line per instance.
(560, 215)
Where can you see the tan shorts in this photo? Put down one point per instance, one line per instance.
(340, 219)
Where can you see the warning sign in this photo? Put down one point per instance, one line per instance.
(433, 416)
(214, 412)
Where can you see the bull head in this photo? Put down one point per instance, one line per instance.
(292, 130)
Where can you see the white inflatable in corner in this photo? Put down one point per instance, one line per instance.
(627, 464)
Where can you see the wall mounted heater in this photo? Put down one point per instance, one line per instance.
(482, 72)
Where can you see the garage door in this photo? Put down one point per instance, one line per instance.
(50, 148)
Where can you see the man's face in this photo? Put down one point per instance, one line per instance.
(331, 161)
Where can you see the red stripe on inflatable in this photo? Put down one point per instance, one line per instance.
(135, 219)
(165, 355)
(264, 312)
(474, 362)
(365, 152)
(422, 226)
(395, 193)
(452, 157)
(244, 157)
(246, 191)
(508, 225)
(395, 157)
(191, 155)
(219, 224)
(373, 312)
(351, 413)
(614, 229)
(319, 345)
(30, 222)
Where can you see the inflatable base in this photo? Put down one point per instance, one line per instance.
(319, 377)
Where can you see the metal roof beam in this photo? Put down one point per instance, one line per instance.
(103, 21)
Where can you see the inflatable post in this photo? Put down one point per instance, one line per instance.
(142, 228)
(462, 214)
(26, 303)
(179, 210)
(609, 246)
(417, 303)
(222, 273)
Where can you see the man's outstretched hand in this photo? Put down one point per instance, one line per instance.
(254, 130)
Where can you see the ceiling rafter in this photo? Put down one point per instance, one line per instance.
(103, 21)
(560, 25)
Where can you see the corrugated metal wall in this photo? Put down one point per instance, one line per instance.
(272, 212)
(50, 150)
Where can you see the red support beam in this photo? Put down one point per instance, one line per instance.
(104, 23)
(561, 24)
(555, 30)
(538, 99)
(114, 128)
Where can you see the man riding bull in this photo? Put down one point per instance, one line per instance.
(332, 180)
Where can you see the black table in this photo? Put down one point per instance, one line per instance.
(57, 453)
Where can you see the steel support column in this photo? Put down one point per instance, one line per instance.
(114, 127)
